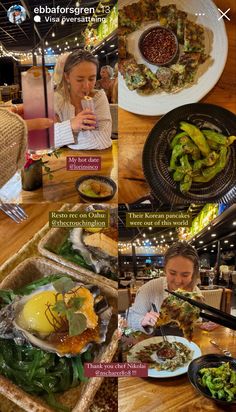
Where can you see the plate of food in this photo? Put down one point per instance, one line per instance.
(190, 155)
(164, 359)
(52, 321)
(214, 376)
(168, 54)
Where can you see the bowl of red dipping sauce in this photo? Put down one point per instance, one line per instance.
(159, 46)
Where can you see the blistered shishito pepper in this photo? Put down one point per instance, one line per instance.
(186, 183)
(176, 139)
(197, 137)
(231, 139)
(216, 137)
(209, 172)
(208, 161)
(177, 152)
(192, 149)
(178, 174)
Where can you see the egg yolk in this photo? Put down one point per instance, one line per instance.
(34, 316)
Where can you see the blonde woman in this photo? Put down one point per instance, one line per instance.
(80, 129)
(106, 82)
(181, 272)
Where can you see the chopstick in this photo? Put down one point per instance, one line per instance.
(154, 307)
(223, 322)
(223, 318)
(161, 329)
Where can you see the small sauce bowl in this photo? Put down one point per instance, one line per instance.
(159, 46)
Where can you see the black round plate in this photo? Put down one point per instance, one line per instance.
(208, 361)
(157, 154)
(99, 178)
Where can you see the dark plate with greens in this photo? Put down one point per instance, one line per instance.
(214, 376)
(190, 155)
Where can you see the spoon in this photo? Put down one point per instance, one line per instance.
(225, 351)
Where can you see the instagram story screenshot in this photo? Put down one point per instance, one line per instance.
(58, 72)
(58, 159)
(117, 205)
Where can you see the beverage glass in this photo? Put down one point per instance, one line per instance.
(88, 103)
(211, 277)
(39, 141)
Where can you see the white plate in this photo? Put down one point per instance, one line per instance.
(208, 73)
(153, 373)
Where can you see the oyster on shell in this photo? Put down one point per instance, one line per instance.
(93, 256)
(13, 327)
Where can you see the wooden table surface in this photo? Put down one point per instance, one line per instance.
(15, 235)
(134, 129)
(62, 187)
(174, 394)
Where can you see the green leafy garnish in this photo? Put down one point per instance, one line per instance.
(31, 287)
(64, 284)
(6, 297)
(77, 322)
(60, 307)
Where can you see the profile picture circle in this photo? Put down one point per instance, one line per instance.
(16, 14)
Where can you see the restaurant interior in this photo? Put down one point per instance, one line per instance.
(212, 233)
(40, 43)
(21, 45)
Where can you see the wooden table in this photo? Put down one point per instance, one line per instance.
(174, 394)
(134, 129)
(15, 235)
(62, 187)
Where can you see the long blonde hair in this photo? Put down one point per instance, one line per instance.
(74, 58)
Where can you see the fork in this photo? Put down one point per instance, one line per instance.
(225, 351)
(14, 211)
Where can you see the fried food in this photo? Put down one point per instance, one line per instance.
(176, 310)
(170, 78)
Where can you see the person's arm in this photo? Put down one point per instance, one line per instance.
(32, 124)
(98, 139)
(140, 308)
(13, 140)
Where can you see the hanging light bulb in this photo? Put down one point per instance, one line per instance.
(53, 34)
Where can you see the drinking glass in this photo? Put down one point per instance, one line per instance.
(88, 103)
(39, 141)
(211, 277)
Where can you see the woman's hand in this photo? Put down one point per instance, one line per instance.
(85, 120)
(38, 124)
(150, 319)
(32, 124)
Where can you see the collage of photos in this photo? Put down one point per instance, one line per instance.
(117, 206)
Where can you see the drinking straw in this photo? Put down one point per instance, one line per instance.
(45, 92)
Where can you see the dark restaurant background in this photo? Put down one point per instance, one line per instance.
(21, 45)
(212, 233)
